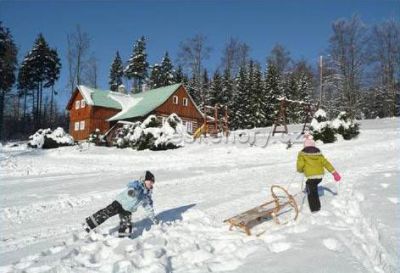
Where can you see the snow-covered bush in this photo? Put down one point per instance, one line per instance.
(97, 138)
(151, 134)
(48, 139)
(321, 128)
(346, 126)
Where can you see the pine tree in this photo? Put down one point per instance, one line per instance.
(215, 94)
(8, 65)
(241, 106)
(137, 65)
(45, 67)
(258, 98)
(179, 76)
(206, 91)
(155, 76)
(167, 76)
(116, 73)
(227, 88)
(273, 89)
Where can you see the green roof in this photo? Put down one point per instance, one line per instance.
(146, 102)
(136, 105)
(98, 97)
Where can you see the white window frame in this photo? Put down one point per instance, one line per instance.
(77, 104)
(175, 100)
(185, 102)
(83, 104)
(82, 125)
(76, 124)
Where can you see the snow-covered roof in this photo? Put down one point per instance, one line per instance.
(131, 105)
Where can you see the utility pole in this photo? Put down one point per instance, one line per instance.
(320, 80)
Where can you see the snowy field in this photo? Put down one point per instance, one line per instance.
(46, 194)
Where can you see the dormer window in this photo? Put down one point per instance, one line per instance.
(83, 104)
(175, 99)
(77, 104)
(185, 101)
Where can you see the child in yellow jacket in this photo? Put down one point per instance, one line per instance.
(312, 163)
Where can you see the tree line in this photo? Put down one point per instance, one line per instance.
(359, 73)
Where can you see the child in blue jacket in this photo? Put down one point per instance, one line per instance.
(137, 193)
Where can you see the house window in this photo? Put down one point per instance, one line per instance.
(175, 99)
(82, 125)
(77, 126)
(83, 104)
(185, 102)
(77, 104)
(189, 127)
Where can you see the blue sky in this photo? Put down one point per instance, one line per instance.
(303, 27)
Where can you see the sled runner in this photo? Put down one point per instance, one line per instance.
(281, 204)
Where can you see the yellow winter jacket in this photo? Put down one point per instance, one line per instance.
(311, 162)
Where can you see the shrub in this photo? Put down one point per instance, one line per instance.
(346, 126)
(321, 128)
(48, 139)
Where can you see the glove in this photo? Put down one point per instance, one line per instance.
(336, 176)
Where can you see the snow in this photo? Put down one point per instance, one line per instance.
(87, 94)
(320, 113)
(46, 194)
(125, 100)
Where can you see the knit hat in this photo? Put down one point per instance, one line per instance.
(308, 140)
(149, 176)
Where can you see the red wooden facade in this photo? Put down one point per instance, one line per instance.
(84, 118)
(95, 117)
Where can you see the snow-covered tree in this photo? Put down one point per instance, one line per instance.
(167, 76)
(321, 127)
(273, 91)
(215, 94)
(116, 73)
(258, 98)
(155, 76)
(241, 107)
(346, 126)
(8, 65)
(137, 65)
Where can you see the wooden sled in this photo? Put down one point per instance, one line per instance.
(266, 211)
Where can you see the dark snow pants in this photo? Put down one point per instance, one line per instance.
(114, 208)
(312, 194)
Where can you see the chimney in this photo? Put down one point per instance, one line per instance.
(122, 89)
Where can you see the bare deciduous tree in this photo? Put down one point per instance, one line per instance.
(234, 55)
(347, 50)
(193, 52)
(385, 54)
(77, 51)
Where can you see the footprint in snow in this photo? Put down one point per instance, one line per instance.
(331, 244)
(385, 185)
(279, 247)
(394, 200)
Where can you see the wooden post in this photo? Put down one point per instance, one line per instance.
(281, 118)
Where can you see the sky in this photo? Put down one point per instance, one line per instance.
(303, 27)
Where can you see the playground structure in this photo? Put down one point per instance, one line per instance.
(281, 119)
(281, 204)
(213, 125)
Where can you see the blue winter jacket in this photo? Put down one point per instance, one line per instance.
(136, 194)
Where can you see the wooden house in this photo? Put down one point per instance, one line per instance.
(92, 109)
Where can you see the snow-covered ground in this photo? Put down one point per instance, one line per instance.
(46, 194)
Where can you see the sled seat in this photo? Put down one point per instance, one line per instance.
(269, 210)
(247, 219)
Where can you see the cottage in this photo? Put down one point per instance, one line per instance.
(92, 109)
